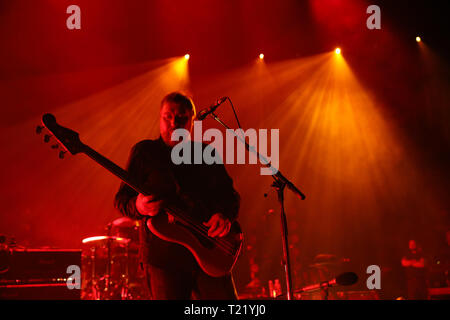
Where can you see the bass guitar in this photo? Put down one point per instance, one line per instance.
(215, 256)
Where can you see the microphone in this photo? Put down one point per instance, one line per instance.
(344, 279)
(205, 112)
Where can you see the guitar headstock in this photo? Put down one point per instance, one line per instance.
(68, 139)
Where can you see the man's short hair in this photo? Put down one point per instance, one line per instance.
(180, 99)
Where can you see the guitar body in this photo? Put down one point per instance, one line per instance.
(209, 255)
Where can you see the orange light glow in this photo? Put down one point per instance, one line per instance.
(187, 56)
(180, 68)
(418, 39)
(344, 148)
(261, 56)
(110, 121)
(338, 51)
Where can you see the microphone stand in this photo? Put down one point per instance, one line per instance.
(280, 182)
(323, 286)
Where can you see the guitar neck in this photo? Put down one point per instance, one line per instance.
(113, 168)
(125, 177)
(71, 142)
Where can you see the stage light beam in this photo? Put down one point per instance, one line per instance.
(418, 39)
(187, 56)
(261, 56)
(337, 51)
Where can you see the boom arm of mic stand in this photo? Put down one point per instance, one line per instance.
(289, 184)
(278, 176)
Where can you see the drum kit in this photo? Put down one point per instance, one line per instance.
(110, 264)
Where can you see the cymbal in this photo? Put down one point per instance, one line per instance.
(106, 238)
(124, 222)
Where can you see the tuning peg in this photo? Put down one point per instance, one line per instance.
(47, 138)
(61, 154)
(39, 129)
(55, 146)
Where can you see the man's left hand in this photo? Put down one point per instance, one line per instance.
(219, 225)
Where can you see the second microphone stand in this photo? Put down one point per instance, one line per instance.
(280, 182)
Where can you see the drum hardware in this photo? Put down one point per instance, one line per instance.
(104, 287)
(111, 264)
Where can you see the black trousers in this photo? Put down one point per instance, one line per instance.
(172, 284)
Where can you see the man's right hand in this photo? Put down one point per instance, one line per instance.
(147, 206)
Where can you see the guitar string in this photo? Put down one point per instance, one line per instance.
(225, 242)
(204, 230)
(199, 227)
(222, 243)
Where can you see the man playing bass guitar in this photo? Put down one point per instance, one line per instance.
(171, 269)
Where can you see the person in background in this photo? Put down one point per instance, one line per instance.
(414, 263)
